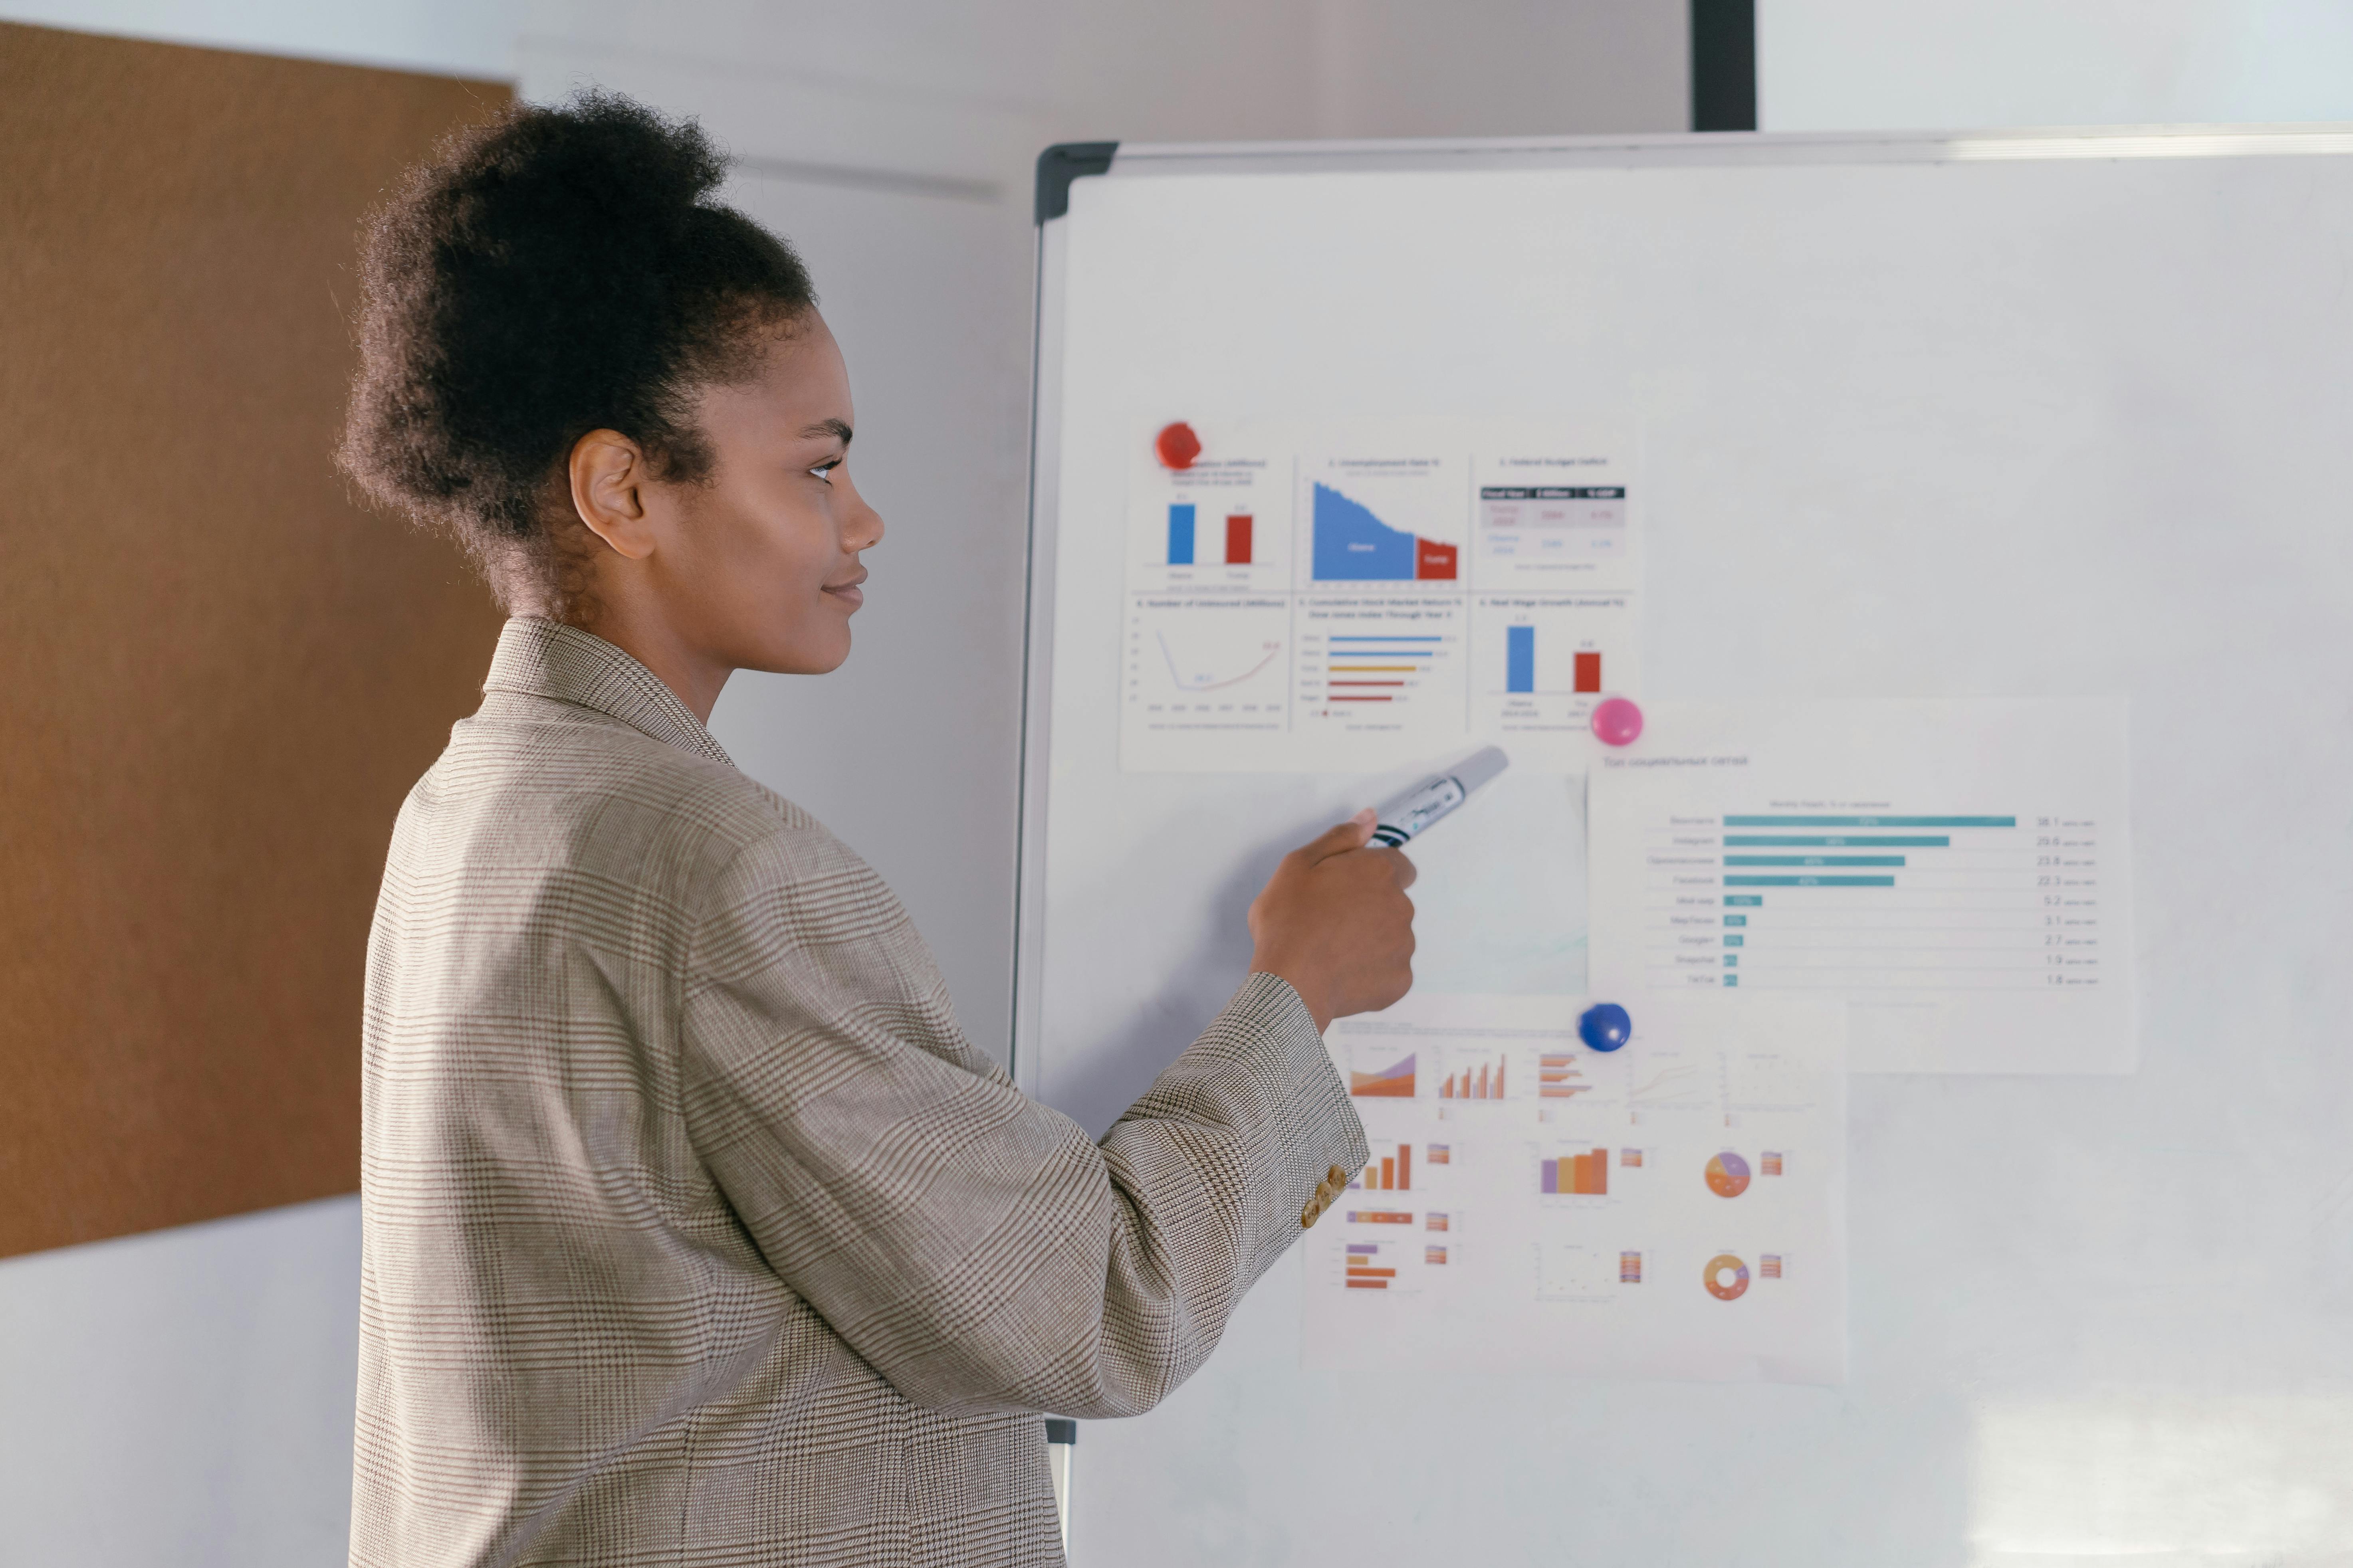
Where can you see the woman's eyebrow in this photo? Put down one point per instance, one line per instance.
(837, 428)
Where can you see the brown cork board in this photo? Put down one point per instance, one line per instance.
(218, 675)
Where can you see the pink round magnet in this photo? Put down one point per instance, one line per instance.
(1616, 721)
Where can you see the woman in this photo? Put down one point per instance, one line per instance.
(695, 1230)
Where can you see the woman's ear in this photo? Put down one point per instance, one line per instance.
(609, 476)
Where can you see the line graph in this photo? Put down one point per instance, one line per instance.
(1207, 681)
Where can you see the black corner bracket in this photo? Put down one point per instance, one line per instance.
(1060, 164)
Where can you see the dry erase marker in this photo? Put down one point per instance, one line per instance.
(1414, 812)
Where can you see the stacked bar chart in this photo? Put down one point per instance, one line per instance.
(1576, 1175)
(1630, 1268)
(1485, 1083)
(1560, 1075)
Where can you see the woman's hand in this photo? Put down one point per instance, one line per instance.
(1334, 921)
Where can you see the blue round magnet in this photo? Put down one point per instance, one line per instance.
(1605, 1027)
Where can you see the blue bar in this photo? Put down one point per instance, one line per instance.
(1731, 980)
(1180, 533)
(1734, 938)
(1832, 841)
(1519, 659)
(1740, 900)
(1730, 958)
(1809, 881)
(1737, 920)
(1871, 822)
(1813, 860)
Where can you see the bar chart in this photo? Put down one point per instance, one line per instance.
(1379, 664)
(1866, 902)
(1363, 1268)
(1576, 1175)
(1390, 1172)
(1560, 1075)
(1541, 662)
(1483, 1081)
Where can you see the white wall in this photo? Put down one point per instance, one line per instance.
(185, 1399)
(1867, 65)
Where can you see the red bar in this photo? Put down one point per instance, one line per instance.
(1388, 1174)
(1588, 672)
(1499, 1080)
(1238, 542)
(1378, 1217)
(1405, 1167)
(1433, 561)
(1358, 1269)
(1360, 699)
(1368, 1284)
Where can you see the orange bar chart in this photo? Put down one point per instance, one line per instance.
(1486, 1083)
(1578, 1175)
(1559, 1076)
(1394, 1173)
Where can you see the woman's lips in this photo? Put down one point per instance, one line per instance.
(850, 594)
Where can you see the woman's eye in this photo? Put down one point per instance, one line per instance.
(825, 470)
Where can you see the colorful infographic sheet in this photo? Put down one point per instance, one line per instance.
(1674, 1209)
(1958, 872)
(1363, 595)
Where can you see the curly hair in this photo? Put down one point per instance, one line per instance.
(555, 271)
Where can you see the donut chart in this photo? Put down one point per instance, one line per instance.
(1727, 1177)
(1726, 1276)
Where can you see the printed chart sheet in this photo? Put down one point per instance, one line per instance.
(1357, 597)
(1674, 1209)
(1959, 872)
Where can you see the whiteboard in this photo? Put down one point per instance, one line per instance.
(1987, 416)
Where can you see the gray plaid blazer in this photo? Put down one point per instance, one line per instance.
(695, 1231)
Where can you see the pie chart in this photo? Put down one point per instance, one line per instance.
(1727, 1177)
(1726, 1276)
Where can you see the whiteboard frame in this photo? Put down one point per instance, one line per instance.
(1149, 161)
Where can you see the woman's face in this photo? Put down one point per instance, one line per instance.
(764, 560)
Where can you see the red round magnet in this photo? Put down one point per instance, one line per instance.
(1616, 721)
(1178, 445)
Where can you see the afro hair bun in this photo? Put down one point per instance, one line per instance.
(555, 271)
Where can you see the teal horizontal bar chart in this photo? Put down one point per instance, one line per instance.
(1744, 900)
(1832, 841)
(1871, 822)
(1813, 860)
(1809, 882)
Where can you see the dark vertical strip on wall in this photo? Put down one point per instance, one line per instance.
(1724, 65)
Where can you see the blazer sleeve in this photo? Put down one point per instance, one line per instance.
(975, 1247)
